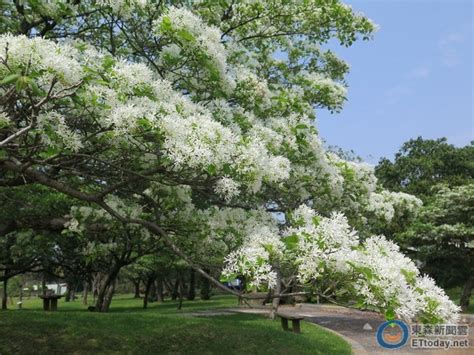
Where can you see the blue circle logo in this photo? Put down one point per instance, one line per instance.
(392, 334)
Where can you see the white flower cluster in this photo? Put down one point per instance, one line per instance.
(376, 273)
(198, 141)
(45, 59)
(323, 243)
(253, 261)
(256, 161)
(132, 99)
(56, 124)
(227, 188)
(436, 305)
(235, 224)
(386, 203)
(224, 229)
(382, 284)
(131, 76)
(194, 34)
(250, 86)
(390, 281)
(81, 216)
(333, 93)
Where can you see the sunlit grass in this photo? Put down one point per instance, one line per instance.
(160, 329)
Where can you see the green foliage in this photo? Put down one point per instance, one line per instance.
(443, 235)
(10, 79)
(28, 227)
(422, 163)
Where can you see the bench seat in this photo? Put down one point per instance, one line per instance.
(295, 320)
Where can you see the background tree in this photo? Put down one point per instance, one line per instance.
(31, 218)
(422, 163)
(441, 237)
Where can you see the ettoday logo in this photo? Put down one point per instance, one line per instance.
(393, 334)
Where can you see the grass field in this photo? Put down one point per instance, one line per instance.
(161, 329)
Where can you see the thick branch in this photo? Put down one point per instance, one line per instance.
(44, 180)
(17, 134)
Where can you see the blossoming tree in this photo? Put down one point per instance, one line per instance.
(196, 124)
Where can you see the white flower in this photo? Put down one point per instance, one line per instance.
(385, 204)
(206, 38)
(61, 132)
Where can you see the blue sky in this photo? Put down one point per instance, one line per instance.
(414, 78)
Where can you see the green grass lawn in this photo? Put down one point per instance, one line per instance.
(161, 329)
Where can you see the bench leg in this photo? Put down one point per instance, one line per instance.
(284, 323)
(296, 326)
(54, 304)
(45, 304)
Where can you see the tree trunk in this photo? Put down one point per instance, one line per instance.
(67, 296)
(137, 288)
(96, 280)
(192, 284)
(181, 291)
(149, 283)
(243, 288)
(106, 291)
(205, 290)
(168, 288)
(276, 300)
(20, 299)
(174, 292)
(73, 293)
(108, 296)
(466, 294)
(159, 290)
(43, 284)
(5, 292)
(85, 293)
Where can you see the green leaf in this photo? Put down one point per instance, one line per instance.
(21, 83)
(409, 276)
(316, 220)
(186, 35)
(144, 123)
(10, 79)
(211, 169)
(166, 24)
(49, 152)
(36, 90)
(390, 314)
(301, 126)
(108, 62)
(227, 169)
(291, 241)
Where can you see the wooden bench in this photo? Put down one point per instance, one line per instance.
(295, 320)
(50, 302)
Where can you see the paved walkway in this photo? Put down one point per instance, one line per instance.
(357, 327)
(360, 327)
